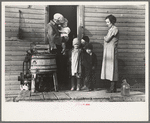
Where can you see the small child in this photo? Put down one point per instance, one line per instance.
(89, 62)
(64, 34)
(84, 41)
(76, 58)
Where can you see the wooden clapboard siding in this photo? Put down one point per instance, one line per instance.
(131, 47)
(32, 23)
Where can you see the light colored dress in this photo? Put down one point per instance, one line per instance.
(109, 69)
(76, 58)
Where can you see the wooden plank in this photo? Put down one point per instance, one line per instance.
(24, 25)
(129, 37)
(135, 7)
(13, 73)
(118, 24)
(40, 94)
(123, 50)
(15, 21)
(25, 39)
(118, 20)
(25, 34)
(133, 67)
(122, 33)
(132, 59)
(120, 46)
(14, 63)
(15, 53)
(11, 77)
(132, 63)
(32, 7)
(118, 15)
(16, 48)
(23, 16)
(81, 95)
(12, 87)
(114, 11)
(104, 29)
(131, 54)
(15, 29)
(121, 42)
(12, 82)
(131, 50)
(61, 96)
(16, 10)
(14, 58)
(12, 92)
(17, 43)
(37, 96)
(132, 72)
(137, 76)
(49, 96)
(12, 68)
(131, 46)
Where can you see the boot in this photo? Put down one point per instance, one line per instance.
(72, 83)
(111, 89)
(115, 86)
(78, 84)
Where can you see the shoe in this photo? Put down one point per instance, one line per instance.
(91, 89)
(72, 89)
(78, 89)
(85, 88)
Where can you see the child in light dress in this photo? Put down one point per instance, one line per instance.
(75, 58)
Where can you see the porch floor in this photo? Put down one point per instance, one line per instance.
(98, 95)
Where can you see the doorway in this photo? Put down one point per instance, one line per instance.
(69, 12)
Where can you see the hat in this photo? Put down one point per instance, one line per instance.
(82, 41)
(89, 46)
(59, 18)
(86, 38)
(76, 41)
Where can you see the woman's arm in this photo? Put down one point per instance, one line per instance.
(110, 34)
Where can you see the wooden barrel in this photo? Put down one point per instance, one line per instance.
(43, 62)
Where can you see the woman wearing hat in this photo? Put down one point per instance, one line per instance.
(109, 69)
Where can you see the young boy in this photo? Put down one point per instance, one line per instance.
(75, 59)
(65, 35)
(89, 62)
(84, 41)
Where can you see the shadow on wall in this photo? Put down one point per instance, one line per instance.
(87, 32)
(25, 30)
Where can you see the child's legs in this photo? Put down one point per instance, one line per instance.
(87, 77)
(92, 80)
(73, 81)
(63, 45)
(79, 83)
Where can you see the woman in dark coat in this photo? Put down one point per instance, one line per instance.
(109, 69)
